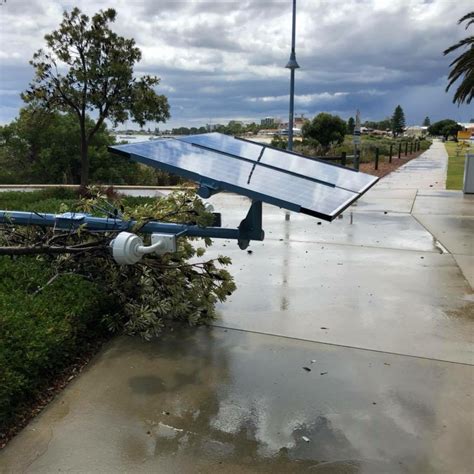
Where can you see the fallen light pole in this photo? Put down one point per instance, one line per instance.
(127, 248)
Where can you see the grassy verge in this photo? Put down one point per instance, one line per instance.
(42, 333)
(456, 154)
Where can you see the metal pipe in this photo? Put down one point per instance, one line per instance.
(72, 221)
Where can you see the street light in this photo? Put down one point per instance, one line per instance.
(292, 65)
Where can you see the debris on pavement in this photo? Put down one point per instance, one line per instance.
(307, 369)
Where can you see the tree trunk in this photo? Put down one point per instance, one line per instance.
(84, 157)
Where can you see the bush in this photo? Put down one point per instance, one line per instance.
(41, 333)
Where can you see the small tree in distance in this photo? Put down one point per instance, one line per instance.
(426, 122)
(351, 125)
(85, 68)
(326, 129)
(398, 121)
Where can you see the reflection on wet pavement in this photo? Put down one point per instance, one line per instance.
(210, 400)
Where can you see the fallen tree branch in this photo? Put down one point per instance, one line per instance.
(44, 249)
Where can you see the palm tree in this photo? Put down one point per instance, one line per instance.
(463, 66)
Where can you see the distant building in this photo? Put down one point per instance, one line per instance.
(268, 131)
(284, 132)
(467, 125)
(416, 131)
(300, 121)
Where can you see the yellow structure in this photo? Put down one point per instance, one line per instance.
(464, 134)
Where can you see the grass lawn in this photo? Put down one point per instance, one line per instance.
(456, 160)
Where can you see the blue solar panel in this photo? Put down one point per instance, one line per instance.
(317, 169)
(238, 169)
(226, 144)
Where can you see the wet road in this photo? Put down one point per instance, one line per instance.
(377, 305)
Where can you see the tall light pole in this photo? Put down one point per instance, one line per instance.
(292, 65)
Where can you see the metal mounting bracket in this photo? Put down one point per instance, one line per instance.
(251, 227)
(208, 189)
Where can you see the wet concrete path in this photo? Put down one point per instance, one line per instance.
(347, 348)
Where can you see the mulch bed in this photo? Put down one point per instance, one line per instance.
(385, 167)
(51, 388)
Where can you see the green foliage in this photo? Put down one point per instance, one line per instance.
(350, 125)
(41, 333)
(463, 65)
(398, 121)
(456, 157)
(279, 142)
(232, 128)
(51, 305)
(98, 76)
(44, 147)
(41, 147)
(48, 200)
(367, 147)
(325, 129)
(445, 128)
(385, 124)
(188, 131)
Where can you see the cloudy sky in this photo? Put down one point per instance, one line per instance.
(221, 60)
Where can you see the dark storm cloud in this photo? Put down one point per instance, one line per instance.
(220, 60)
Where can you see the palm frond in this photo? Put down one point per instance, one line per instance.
(468, 16)
(464, 42)
(462, 67)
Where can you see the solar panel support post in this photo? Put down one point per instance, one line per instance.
(251, 227)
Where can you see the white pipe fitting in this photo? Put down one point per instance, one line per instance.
(128, 248)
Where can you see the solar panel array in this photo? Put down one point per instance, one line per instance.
(260, 172)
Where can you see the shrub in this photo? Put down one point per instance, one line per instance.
(41, 333)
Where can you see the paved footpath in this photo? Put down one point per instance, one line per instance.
(347, 348)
